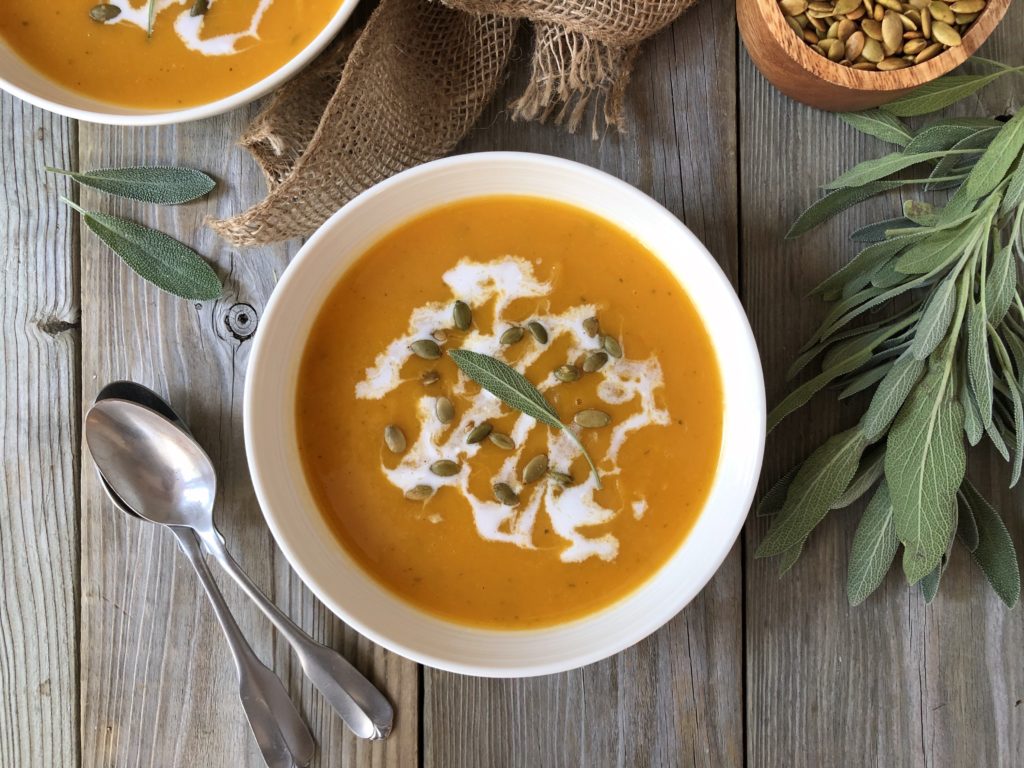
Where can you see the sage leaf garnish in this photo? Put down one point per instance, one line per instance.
(150, 17)
(160, 185)
(945, 367)
(515, 390)
(158, 258)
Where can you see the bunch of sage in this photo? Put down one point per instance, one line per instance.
(156, 257)
(945, 362)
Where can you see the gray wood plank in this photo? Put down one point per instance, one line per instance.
(892, 682)
(158, 686)
(674, 699)
(39, 347)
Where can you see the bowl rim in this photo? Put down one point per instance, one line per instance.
(131, 116)
(677, 600)
(897, 80)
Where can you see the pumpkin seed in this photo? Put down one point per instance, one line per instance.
(926, 23)
(591, 418)
(512, 335)
(462, 315)
(892, 5)
(873, 51)
(892, 33)
(479, 432)
(941, 12)
(914, 47)
(540, 333)
(562, 478)
(854, 45)
(609, 343)
(595, 362)
(567, 372)
(945, 34)
(394, 438)
(892, 63)
(535, 468)
(445, 468)
(844, 29)
(872, 29)
(503, 492)
(440, 335)
(426, 349)
(430, 377)
(419, 493)
(795, 7)
(502, 440)
(930, 52)
(844, 7)
(444, 409)
(837, 52)
(962, 19)
(591, 326)
(104, 12)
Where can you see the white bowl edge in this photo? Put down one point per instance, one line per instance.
(32, 86)
(306, 539)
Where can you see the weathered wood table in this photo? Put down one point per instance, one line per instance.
(109, 655)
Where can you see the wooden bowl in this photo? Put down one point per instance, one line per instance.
(803, 74)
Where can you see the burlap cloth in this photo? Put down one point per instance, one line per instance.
(408, 86)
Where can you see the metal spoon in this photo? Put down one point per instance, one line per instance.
(165, 476)
(282, 735)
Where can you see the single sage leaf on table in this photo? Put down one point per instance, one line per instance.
(1004, 150)
(939, 94)
(159, 258)
(160, 185)
(515, 390)
(880, 124)
(874, 547)
(994, 551)
(836, 202)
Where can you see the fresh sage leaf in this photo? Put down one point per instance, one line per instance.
(1000, 285)
(1013, 198)
(872, 465)
(776, 496)
(876, 233)
(921, 213)
(864, 381)
(836, 202)
(930, 584)
(880, 124)
(966, 526)
(939, 94)
(515, 390)
(995, 553)
(979, 367)
(161, 185)
(973, 428)
(890, 396)
(820, 481)
(925, 462)
(156, 257)
(874, 547)
(1001, 154)
(150, 17)
(976, 143)
(939, 137)
(790, 557)
(938, 314)
(879, 168)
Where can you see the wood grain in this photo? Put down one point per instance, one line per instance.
(158, 685)
(674, 699)
(39, 347)
(892, 682)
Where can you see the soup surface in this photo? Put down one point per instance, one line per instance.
(443, 536)
(188, 60)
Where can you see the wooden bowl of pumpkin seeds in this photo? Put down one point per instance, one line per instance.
(845, 55)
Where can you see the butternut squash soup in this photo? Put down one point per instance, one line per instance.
(474, 510)
(192, 52)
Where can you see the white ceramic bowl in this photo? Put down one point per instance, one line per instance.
(306, 539)
(21, 79)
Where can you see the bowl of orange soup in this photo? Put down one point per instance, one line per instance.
(436, 519)
(136, 62)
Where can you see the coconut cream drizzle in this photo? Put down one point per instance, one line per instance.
(190, 28)
(571, 510)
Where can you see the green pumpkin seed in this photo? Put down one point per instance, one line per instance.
(199, 8)
(595, 362)
(444, 410)
(562, 478)
(503, 492)
(440, 335)
(535, 468)
(512, 335)
(567, 373)
(394, 438)
(419, 493)
(430, 377)
(104, 12)
(445, 468)
(611, 345)
(591, 418)
(591, 326)
(540, 333)
(502, 440)
(479, 432)
(462, 316)
(426, 349)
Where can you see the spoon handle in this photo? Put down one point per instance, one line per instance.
(282, 735)
(362, 707)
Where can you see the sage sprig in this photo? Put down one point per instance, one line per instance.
(945, 363)
(515, 390)
(160, 185)
(157, 257)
